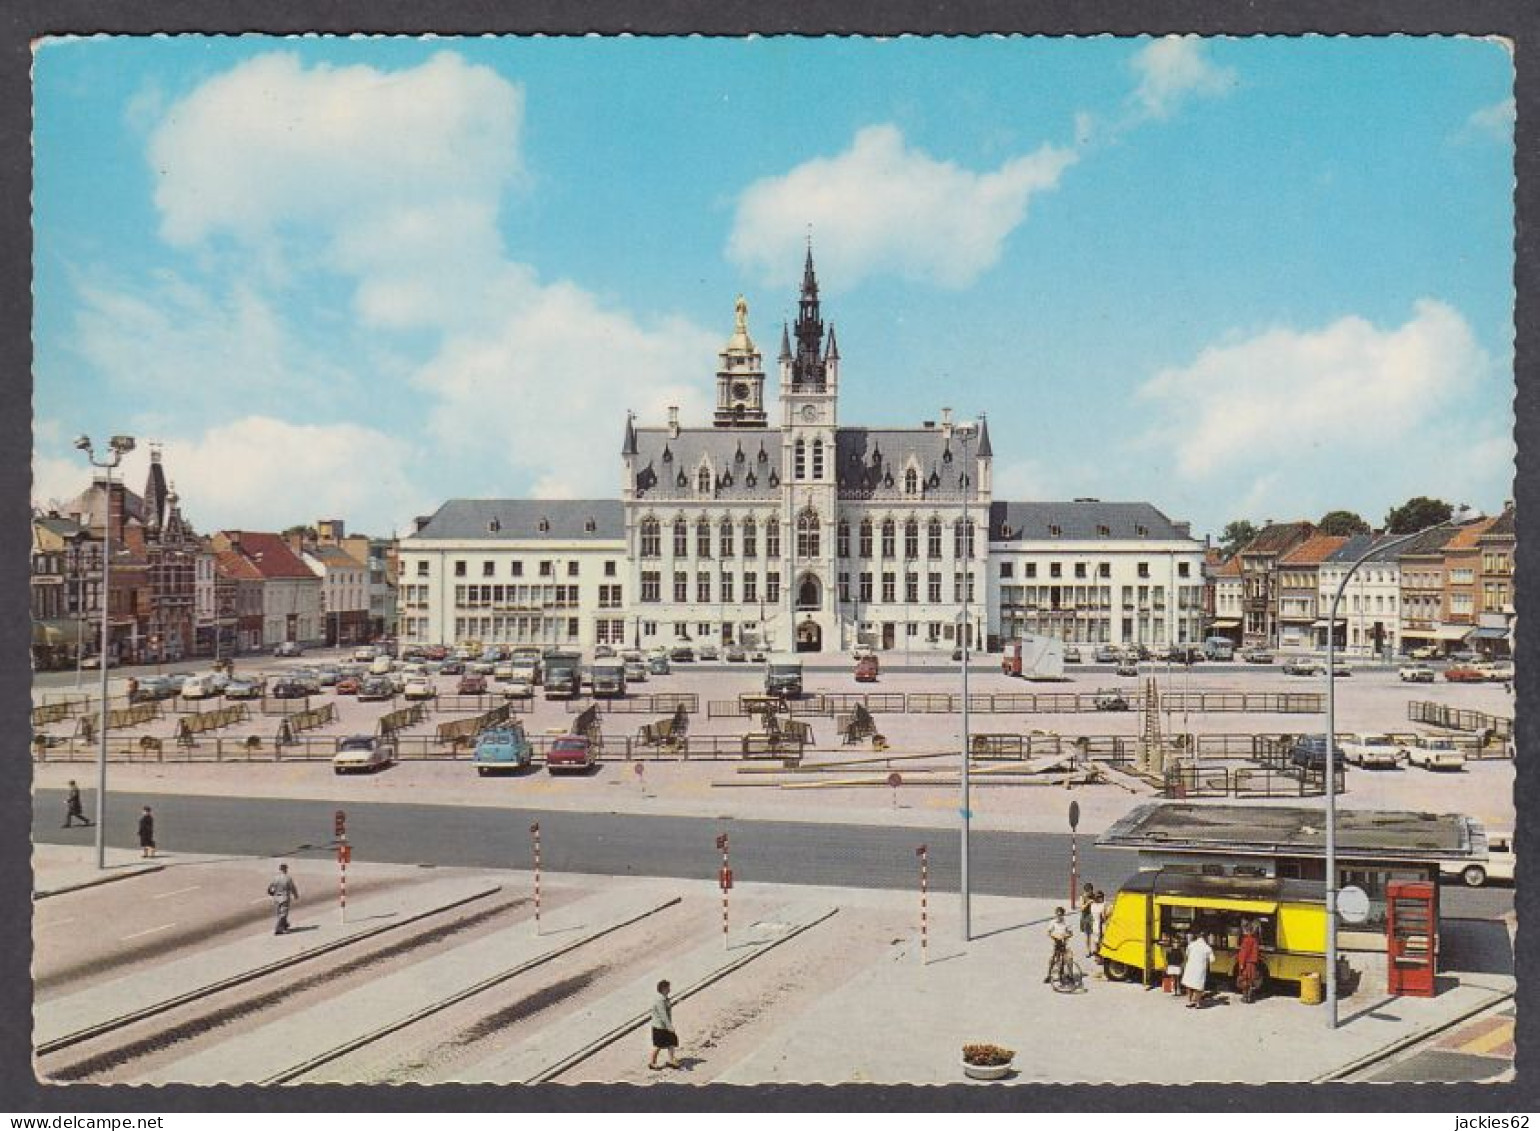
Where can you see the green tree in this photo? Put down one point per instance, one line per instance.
(1236, 535)
(1342, 523)
(1416, 514)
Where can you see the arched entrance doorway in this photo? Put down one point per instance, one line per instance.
(809, 636)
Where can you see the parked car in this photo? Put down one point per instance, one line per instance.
(635, 669)
(502, 671)
(1500, 671)
(452, 667)
(570, 752)
(1257, 656)
(1309, 753)
(364, 653)
(348, 685)
(1106, 654)
(419, 688)
(1110, 700)
(1371, 751)
(861, 651)
(518, 688)
(1464, 673)
(288, 648)
(481, 667)
(1416, 673)
(1339, 669)
(866, 669)
(1498, 864)
(709, 652)
(472, 684)
(1303, 665)
(1426, 652)
(376, 687)
(361, 752)
(502, 749)
(1072, 655)
(1435, 752)
(1127, 668)
(94, 662)
(735, 655)
(239, 688)
(657, 665)
(152, 689)
(437, 652)
(287, 689)
(202, 687)
(1462, 656)
(683, 654)
(757, 656)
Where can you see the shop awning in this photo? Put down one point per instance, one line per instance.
(1490, 632)
(1226, 624)
(61, 631)
(1419, 633)
(1452, 631)
(1323, 622)
(1218, 903)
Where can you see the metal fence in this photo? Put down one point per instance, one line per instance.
(1452, 718)
(1196, 780)
(661, 703)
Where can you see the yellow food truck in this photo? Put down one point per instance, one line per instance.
(1161, 906)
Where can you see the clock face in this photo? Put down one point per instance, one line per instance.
(741, 391)
(809, 413)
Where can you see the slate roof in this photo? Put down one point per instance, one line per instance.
(1080, 521)
(524, 520)
(63, 527)
(870, 463)
(1502, 526)
(745, 463)
(1429, 542)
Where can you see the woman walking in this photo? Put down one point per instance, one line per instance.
(663, 1035)
(147, 833)
(1248, 960)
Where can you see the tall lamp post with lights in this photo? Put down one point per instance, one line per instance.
(965, 434)
(117, 447)
(1331, 758)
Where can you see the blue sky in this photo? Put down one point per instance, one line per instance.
(1238, 278)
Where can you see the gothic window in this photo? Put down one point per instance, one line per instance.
(807, 535)
(750, 539)
(703, 538)
(911, 482)
(650, 539)
(962, 539)
(911, 538)
(866, 537)
(681, 538)
(773, 538)
(703, 480)
(799, 460)
(889, 532)
(817, 459)
(725, 538)
(842, 540)
(681, 587)
(933, 539)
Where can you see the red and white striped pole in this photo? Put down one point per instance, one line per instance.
(534, 831)
(923, 852)
(344, 852)
(1074, 870)
(725, 880)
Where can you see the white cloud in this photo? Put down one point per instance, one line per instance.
(882, 206)
(1174, 69)
(258, 472)
(1495, 121)
(1351, 391)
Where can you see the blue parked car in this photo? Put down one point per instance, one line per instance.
(502, 749)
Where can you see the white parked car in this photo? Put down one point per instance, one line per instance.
(1435, 753)
(363, 655)
(1373, 751)
(518, 688)
(1417, 673)
(380, 665)
(360, 752)
(1500, 671)
(202, 687)
(419, 688)
(1496, 865)
(502, 671)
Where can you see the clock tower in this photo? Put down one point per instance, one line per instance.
(741, 377)
(809, 419)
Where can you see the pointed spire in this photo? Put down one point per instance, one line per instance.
(785, 343)
(832, 353)
(809, 277)
(985, 451)
(628, 445)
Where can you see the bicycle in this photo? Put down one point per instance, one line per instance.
(1064, 973)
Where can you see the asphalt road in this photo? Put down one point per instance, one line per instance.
(785, 852)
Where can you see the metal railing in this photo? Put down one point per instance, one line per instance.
(1453, 718)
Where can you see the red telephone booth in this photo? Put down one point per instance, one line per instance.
(1412, 927)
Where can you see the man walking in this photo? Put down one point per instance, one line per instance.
(663, 1035)
(284, 893)
(73, 810)
(147, 833)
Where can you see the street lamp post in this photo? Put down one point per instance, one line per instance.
(118, 446)
(1331, 766)
(965, 434)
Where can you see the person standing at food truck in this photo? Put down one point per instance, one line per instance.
(1248, 960)
(1200, 956)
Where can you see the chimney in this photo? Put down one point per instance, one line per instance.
(673, 421)
(1183, 529)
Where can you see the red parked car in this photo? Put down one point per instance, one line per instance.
(473, 684)
(1460, 674)
(866, 669)
(348, 685)
(570, 752)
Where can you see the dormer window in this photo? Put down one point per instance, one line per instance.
(544, 525)
(494, 526)
(590, 526)
(703, 480)
(1054, 530)
(1103, 531)
(1142, 531)
(911, 482)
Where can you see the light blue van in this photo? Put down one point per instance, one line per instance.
(502, 749)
